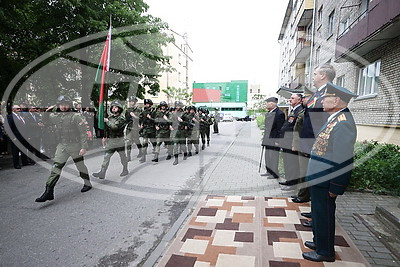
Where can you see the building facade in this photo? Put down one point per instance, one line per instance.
(361, 39)
(233, 91)
(181, 61)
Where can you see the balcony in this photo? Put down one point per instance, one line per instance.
(305, 13)
(379, 25)
(302, 51)
(297, 82)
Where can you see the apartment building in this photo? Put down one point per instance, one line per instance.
(361, 39)
(182, 63)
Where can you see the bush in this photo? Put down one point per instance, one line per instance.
(260, 121)
(376, 167)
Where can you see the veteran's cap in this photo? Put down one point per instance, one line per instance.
(272, 99)
(338, 91)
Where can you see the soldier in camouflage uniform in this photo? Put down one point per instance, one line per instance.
(72, 142)
(193, 130)
(205, 123)
(132, 129)
(115, 125)
(148, 125)
(178, 131)
(163, 123)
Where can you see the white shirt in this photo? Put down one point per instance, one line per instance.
(334, 114)
(322, 87)
(294, 107)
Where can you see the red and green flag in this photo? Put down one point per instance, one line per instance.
(104, 66)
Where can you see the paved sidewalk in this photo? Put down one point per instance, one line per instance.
(236, 173)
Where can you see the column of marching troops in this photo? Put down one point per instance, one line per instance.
(181, 130)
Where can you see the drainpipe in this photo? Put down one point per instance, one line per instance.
(312, 43)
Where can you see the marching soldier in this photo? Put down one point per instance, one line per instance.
(115, 123)
(163, 123)
(132, 129)
(178, 131)
(205, 123)
(193, 130)
(147, 123)
(71, 131)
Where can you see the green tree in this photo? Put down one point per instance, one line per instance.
(30, 28)
(174, 94)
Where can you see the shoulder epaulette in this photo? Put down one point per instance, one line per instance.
(342, 117)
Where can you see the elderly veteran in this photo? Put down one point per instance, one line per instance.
(329, 170)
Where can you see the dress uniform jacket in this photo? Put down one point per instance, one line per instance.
(329, 170)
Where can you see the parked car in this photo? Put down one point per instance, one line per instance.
(227, 117)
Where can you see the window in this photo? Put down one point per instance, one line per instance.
(251, 90)
(317, 55)
(344, 25)
(368, 79)
(331, 23)
(258, 90)
(340, 81)
(364, 7)
(320, 15)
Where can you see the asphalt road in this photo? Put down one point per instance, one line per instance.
(118, 223)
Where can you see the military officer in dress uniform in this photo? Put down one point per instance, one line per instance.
(148, 125)
(132, 129)
(71, 132)
(290, 157)
(314, 115)
(163, 123)
(329, 170)
(304, 193)
(115, 125)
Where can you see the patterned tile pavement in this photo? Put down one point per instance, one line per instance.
(226, 231)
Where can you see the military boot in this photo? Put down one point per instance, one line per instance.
(47, 195)
(185, 156)
(203, 146)
(169, 157)
(101, 174)
(139, 155)
(189, 154)
(143, 158)
(87, 186)
(124, 171)
(176, 159)
(208, 143)
(155, 158)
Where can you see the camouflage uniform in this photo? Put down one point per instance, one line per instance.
(163, 123)
(193, 130)
(147, 121)
(72, 137)
(178, 133)
(205, 123)
(115, 143)
(132, 130)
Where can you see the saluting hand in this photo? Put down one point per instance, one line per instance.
(82, 152)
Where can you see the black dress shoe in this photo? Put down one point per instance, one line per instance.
(307, 224)
(285, 183)
(299, 200)
(313, 256)
(85, 188)
(306, 214)
(310, 245)
(17, 166)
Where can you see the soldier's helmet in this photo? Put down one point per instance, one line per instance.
(63, 99)
(200, 109)
(163, 104)
(148, 101)
(116, 104)
(178, 104)
(192, 107)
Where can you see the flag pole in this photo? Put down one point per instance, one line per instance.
(106, 81)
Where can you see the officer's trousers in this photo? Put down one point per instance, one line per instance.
(63, 152)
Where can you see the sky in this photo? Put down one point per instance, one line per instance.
(231, 40)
